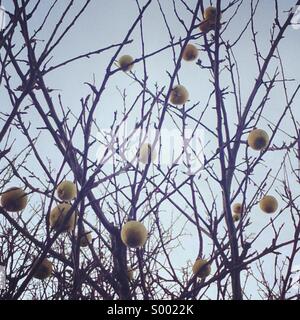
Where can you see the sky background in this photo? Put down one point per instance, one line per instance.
(106, 22)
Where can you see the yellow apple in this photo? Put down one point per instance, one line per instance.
(58, 215)
(125, 63)
(66, 191)
(179, 95)
(210, 14)
(44, 271)
(190, 53)
(237, 208)
(268, 204)
(134, 234)
(14, 199)
(147, 153)
(258, 139)
(201, 268)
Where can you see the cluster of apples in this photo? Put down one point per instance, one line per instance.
(134, 235)
(67, 192)
(179, 94)
(258, 140)
(15, 199)
(268, 204)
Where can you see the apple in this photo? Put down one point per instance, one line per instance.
(179, 95)
(268, 204)
(58, 215)
(66, 191)
(125, 63)
(237, 208)
(14, 199)
(210, 14)
(44, 271)
(201, 268)
(258, 139)
(147, 153)
(134, 234)
(190, 53)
